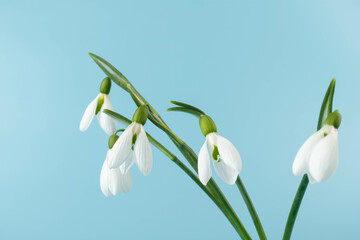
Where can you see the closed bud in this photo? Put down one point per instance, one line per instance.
(207, 125)
(105, 86)
(141, 114)
(334, 119)
(112, 140)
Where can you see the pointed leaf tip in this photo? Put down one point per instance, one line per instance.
(326, 107)
(188, 106)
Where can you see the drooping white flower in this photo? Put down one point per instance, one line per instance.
(318, 156)
(113, 181)
(133, 146)
(96, 107)
(226, 159)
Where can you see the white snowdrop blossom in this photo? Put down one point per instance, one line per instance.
(318, 156)
(113, 181)
(133, 145)
(226, 159)
(96, 107)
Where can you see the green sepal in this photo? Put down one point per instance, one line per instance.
(326, 107)
(112, 140)
(105, 86)
(141, 114)
(207, 125)
(334, 119)
(99, 104)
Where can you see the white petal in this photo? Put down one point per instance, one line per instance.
(143, 152)
(204, 169)
(107, 123)
(130, 160)
(301, 162)
(121, 148)
(126, 182)
(115, 180)
(225, 172)
(88, 115)
(104, 178)
(229, 154)
(311, 179)
(324, 157)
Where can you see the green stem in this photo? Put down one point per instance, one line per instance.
(251, 209)
(295, 207)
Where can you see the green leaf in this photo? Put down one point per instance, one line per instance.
(326, 107)
(188, 106)
(117, 116)
(111, 71)
(187, 110)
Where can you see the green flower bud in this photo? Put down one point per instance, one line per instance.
(112, 140)
(207, 125)
(99, 104)
(141, 114)
(334, 119)
(105, 86)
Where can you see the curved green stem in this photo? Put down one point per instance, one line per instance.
(251, 209)
(295, 207)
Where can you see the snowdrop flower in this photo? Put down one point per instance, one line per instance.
(318, 156)
(226, 159)
(96, 107)
(113, 181)
(133, 145)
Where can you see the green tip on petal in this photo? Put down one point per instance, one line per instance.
(334, 119)
(112, 140)
(99, 104)
(207, 125)
(105, 86)
(141, 114)
(216, 154)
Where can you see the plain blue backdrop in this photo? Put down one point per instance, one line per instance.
(259, 68)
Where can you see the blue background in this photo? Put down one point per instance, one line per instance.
(259, 68)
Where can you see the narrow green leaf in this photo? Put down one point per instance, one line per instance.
(326, 107)
(117, 116)
(185, 105)
(111, 71)
(187, 110)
